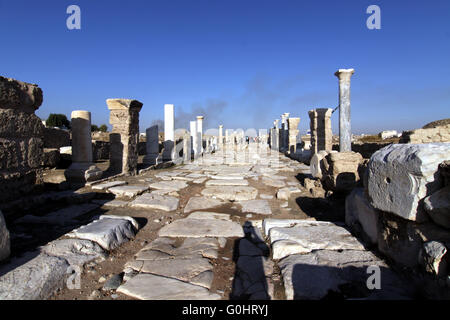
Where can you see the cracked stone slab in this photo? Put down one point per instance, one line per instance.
(109, 233)
(311, 237)
(190, 227)
(174, 185)
(231, 193)
(256, 206)
(155, 201)
(200, 203)
(165, 248)
(187, 270)
(311, 276)
(228, 182)
(63, 216)
(36, 276)
(106, 185)
(77, 252)
(143, 287)
(128, 191)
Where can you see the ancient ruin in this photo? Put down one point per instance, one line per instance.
(235, 214)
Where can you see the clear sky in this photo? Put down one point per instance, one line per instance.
(240, 63)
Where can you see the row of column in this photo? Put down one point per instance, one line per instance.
(285, 138)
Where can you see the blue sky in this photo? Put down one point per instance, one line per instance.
(241, 63)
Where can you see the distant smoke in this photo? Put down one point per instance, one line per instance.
(211, 111)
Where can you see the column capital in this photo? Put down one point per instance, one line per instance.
(199, 117)
(344, 74)
(123, 104)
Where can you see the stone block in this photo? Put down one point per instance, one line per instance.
(340, 170)
(400, 176)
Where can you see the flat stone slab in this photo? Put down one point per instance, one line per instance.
(106, 185)
(190, 227)
(285, 193)
(266, 196)
(256, 206)
(36, 276)
(111, 203)
(200, 203)
(109, 233)
(199, 180)
(77, 252)
(166, 248)
(209, 215)
(273, 183)
(128, 191)
(188, 270)
(174, 185)
(231, 193)
(268, 224)
(304, 239)
(311, 276)
(143, 287)
(236, 176)
(155, 201)
(63, 216)
(228, 182)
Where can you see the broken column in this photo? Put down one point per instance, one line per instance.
(124, 137)
(82, 168)
(345, 132)
(194, 138)
(169, 133)
(200, 132)
(152, 145)
(293, 133)
(21, 138)
(321, 134)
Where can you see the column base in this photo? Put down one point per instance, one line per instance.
(82, 172)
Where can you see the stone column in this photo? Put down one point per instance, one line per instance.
(293, 132)
(345, 132)
(220, 136)
(200, 132)
(186, 147)
(321, 134)
(169, 133)
(194, 138)
(82, 168)
(124, 137)
(152, 145)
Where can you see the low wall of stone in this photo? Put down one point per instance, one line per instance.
(56, 138)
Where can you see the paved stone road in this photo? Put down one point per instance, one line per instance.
(246, 197)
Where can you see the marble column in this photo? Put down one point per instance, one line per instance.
(187, 147)
(152, 145)
(200, 132)
(194, 138)
(82, 168)
(169, 133)
(345, 131)
(293, 133)
(321, 134)
(124, 137)
(220, 136)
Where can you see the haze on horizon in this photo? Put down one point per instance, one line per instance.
(239, 63)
